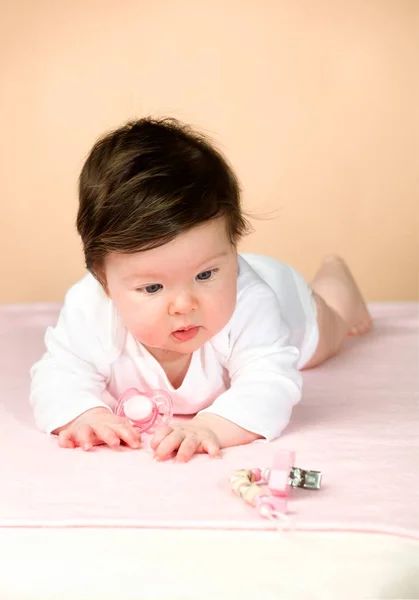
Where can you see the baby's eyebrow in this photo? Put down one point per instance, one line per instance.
(212, 258)
(135, 276)
(152, 275)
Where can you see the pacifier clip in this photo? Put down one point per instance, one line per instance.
(268, 489)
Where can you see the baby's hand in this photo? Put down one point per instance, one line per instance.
(95, 427)
(188, 438)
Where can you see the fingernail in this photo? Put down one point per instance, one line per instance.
(87, 446)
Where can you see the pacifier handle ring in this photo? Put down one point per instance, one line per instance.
(166, 404)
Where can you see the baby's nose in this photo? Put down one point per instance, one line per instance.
(183, 303)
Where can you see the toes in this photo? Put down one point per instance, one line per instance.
(366, 325)
(360, 328)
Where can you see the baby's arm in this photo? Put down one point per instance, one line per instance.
(265, 382)
(68, 382)
(228, 433)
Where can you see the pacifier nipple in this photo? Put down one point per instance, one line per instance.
(145, 410)
(138, 408)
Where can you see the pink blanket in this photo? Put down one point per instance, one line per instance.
(358, 424)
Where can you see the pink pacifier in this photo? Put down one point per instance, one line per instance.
(145, 410)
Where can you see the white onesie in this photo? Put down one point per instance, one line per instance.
(247, 373)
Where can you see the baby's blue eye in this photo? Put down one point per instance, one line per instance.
(205, 275)
(153, 288)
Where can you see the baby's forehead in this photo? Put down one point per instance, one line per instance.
(192, 250)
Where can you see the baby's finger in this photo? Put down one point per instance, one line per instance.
(188, 448)
(84, 437)
(129, 435)
(211, 447)
(107, 435)
(161, 432)
(65, 439)
(169, 444)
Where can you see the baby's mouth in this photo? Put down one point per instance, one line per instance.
(185, 334)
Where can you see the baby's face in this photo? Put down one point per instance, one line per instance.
(176, 297)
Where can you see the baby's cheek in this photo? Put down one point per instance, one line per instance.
(145, 331)
(149, 328)
(221, 312)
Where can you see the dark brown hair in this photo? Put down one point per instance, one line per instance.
(149, 181)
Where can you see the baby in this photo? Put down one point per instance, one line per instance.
(169, 304)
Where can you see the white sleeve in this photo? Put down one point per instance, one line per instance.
(265, 382)
(71, 376)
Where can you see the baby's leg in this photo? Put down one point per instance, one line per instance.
(341, 309)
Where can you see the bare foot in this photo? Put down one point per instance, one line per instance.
(335, 283)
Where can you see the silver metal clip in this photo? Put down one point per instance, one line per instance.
(309, 480)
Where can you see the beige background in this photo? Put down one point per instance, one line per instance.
(313, 102)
